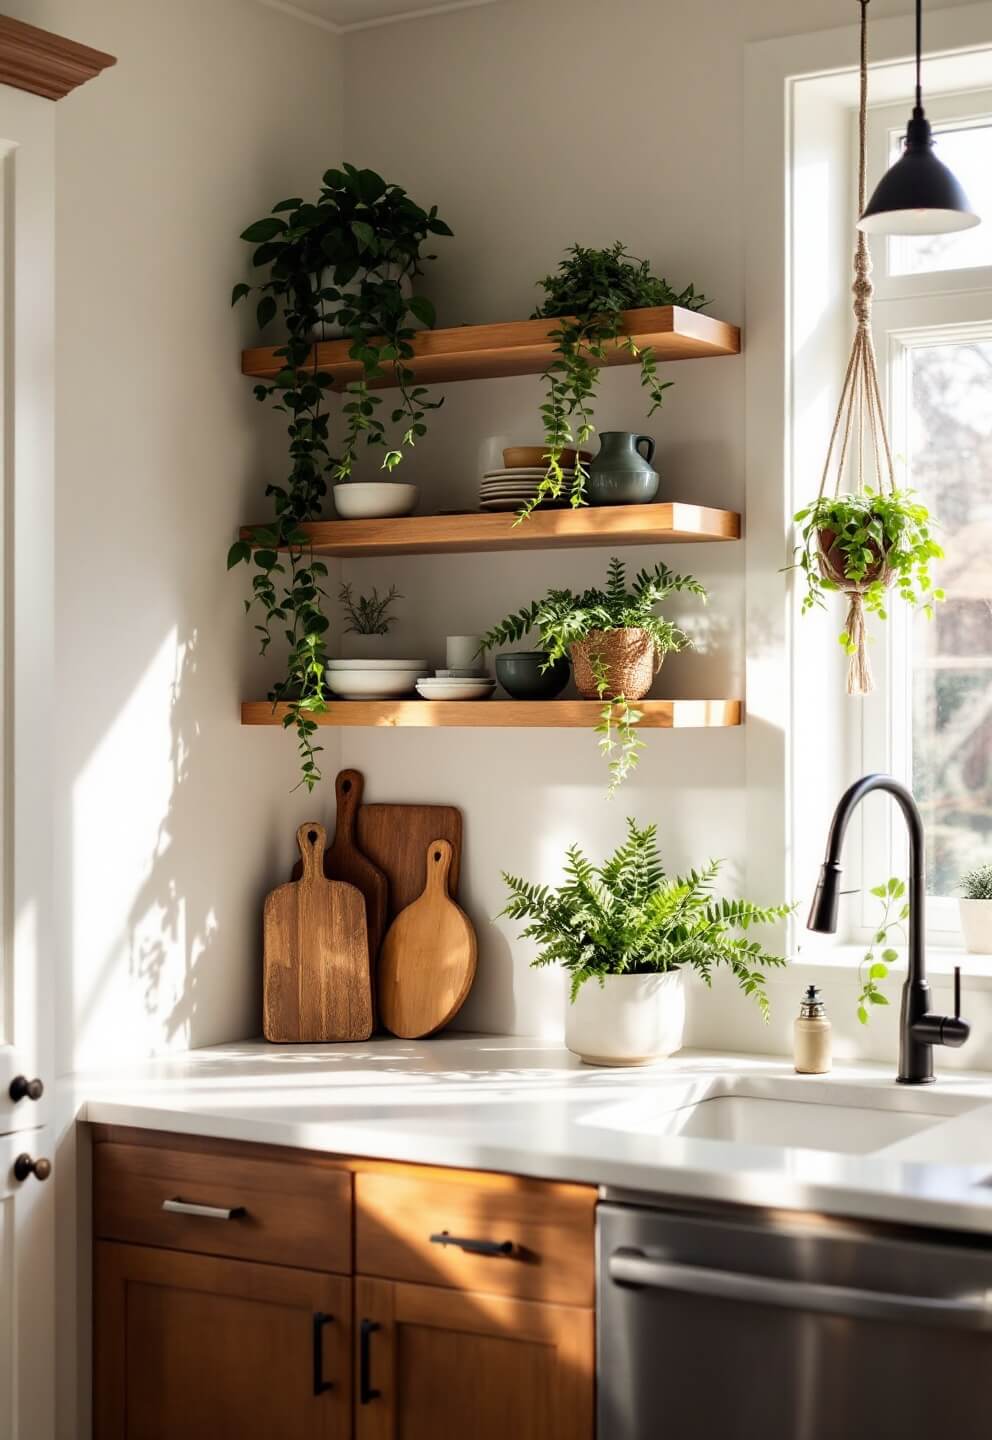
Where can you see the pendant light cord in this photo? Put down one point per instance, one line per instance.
(919, 54)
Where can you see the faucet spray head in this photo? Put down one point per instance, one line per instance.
(823, 911)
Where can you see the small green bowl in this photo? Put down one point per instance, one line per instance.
(522, 678)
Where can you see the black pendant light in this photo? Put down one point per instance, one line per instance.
(918, 195)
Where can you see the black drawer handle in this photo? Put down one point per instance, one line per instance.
(365, 1391)
(495, 1248)
(320, 1385)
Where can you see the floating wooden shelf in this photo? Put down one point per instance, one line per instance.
(544, 530)
(543, 714)
(520, 347)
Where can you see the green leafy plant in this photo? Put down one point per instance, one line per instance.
(343, 258)
(877, 540)
(874, 965)
(628, 917)
(367, 615)
(976, 884)
(588, 293)
(563, 619)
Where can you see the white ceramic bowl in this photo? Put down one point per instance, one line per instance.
(455, 689)
(418, 666)
(373, 499)
(371, 684)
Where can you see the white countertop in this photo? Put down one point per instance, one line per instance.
(529, 1107)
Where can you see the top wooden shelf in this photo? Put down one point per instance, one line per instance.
(520, 347)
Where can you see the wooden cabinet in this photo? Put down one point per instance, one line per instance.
(247, 1292)
(203, 1348)
(438, 1364)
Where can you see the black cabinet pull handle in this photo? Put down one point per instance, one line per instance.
(320, 1385)
(475, 1247)
(25, 1166)
(365, 1391)
(21, 1088)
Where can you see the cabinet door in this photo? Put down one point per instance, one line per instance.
(202, 1348)
(446, 1365)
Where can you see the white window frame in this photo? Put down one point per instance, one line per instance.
(910, 312)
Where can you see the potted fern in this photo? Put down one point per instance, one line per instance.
(625, 931)
(616, 644)
(975, 907)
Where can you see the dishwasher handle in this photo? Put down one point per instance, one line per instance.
(633, 1267)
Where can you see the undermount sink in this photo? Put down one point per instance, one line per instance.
(800, 1123)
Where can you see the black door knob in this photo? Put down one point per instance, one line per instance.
(25, 1166)
(21, 1088)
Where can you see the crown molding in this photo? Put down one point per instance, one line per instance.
(333, 27)
(45, 64)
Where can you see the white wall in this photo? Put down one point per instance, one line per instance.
(533, 126)
(170, 819)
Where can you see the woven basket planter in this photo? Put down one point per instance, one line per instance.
(628, 656)
(831, 562)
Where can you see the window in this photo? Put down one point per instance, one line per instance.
(931, 722)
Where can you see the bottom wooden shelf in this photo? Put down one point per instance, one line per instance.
(544, 714)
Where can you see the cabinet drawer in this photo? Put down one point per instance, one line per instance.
(283, 1212)
(518, 1237)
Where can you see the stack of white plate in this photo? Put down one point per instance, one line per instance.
(455, 688)
(509, 489)
(373, 679)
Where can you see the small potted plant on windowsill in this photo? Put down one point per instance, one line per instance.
(975, 908)
(626, 931)
(616, 644)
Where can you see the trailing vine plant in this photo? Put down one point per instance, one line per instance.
(346, 259)
(588, 294)
(872, 968)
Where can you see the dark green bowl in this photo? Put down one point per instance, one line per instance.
(522, 678)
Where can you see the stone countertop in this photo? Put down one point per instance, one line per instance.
(527, 1106)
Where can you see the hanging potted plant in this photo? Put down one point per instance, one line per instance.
(588, 295)
(626, 932)
(865, 539)
(616, 644)
(359, 229)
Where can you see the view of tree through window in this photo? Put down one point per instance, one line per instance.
(950, 443)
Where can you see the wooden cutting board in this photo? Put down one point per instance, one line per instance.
(428, 957)
(316, 983)
(396, 837)
(343, 860)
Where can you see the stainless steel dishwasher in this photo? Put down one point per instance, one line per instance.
(716, 1327)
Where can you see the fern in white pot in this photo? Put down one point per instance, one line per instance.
(975, 907)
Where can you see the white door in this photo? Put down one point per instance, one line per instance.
(27, 341)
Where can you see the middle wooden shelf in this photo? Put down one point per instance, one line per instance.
(669, 523)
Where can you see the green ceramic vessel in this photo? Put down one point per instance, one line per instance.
(522, 678)
(620, 474)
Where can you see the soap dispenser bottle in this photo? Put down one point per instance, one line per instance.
(812, 1035)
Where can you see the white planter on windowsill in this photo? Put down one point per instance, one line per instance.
(976, 925)
(628, 1020)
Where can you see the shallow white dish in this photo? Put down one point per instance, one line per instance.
(417, 666)
(373, 499)
(520, 474)
(371, 684)
(455, 689)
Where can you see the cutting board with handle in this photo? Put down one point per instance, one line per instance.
(317, 982)
(428, 957)
(396, 837)
(344, 860)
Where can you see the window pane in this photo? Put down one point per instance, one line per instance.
(968, 152)
(950, 445)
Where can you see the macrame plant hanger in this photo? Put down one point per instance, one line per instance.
(859, 415)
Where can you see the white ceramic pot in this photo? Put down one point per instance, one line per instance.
(976, 925)
(628, 1020)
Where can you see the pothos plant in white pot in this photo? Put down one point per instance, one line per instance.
(975, 907)
(626, 931)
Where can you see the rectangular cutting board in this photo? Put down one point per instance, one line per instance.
(396, 837)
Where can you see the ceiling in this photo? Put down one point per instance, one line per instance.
(357, 14)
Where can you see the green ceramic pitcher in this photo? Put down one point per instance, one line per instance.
(620, 474)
